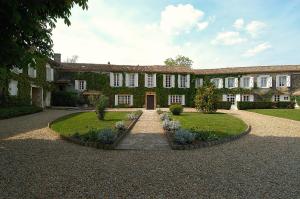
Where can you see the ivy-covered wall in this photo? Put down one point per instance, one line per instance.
(24, 84)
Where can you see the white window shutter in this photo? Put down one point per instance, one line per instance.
(76, 84)
(288, 81)
(13, 88)
(116, 100)
(226, 82)
(131, 100)
(277, 81)
(251, 98)
(236, 82)
(173, 81)
(237, 97)
(164, 80)
(169, 100)
(281, 98)
(154, 80)
(121, 79)
(251, 82)
(146, 80)
(242, 82)
(183, 100)
(34, 73)
(52, 74)
(220, 83)
(111, 79)
(188, 78)
(258, 82)
(126, 79)
(179, 77)
(136, 80)
(84, 85)
(224, 98)
(269, 82)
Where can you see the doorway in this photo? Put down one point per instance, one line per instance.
(150, 101)
(37, 96)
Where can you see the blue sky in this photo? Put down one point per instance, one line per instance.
(212, 33)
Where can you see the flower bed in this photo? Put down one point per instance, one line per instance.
(181, 137)
(104, 138)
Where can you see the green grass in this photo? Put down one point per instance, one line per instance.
(14, 111)
(293, 114)
(83, 122)
(222, 124)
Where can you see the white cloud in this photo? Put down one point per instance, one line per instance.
(254, 28)
(239, 24)
(180, 18)
(228, 38)
(203, 25)
(257, 49)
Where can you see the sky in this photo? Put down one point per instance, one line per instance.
(213, 33)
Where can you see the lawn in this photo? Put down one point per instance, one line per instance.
(222, 124)
(293, 114)
(82, 122)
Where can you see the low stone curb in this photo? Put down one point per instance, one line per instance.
(120, 136)
(199, 145)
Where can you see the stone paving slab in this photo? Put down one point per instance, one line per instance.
(147, 134)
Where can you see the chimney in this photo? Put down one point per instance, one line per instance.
(57, 57)
(108, 63)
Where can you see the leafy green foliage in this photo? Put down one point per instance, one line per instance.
(64, 98)
(14, 111)
(223, 105)
(176, 109)
(101, 106)
(265, 105)
(26, 28)
(183, 136)
(179, 60)
(206, 99)
(204, 135)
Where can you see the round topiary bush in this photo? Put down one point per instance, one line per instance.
(176, 109)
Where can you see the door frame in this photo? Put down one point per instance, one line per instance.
(150, 93)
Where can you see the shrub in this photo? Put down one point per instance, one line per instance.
(64, 98)
(206, 99)
(264, 105)
(204, 135)
(120, 126)
(164, 116)
(176, 109)
(134, 115)
(14, 111)
(224, 105)
(106, 136)
(159, 111)
(101, 106)
(183, 136)
(91, 135)
(171, 125)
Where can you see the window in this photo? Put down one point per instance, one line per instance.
(16, 70)
(183, 80)
(246, 82)
(231, 82)
(131, 80)
(231, 98)
(176, 99)
(49, 73)
(81, 85)
(276, 98)
(150, 80)
(246, 98)
(117, 82)
(286, 98)
(263, 82)
(217, 82)
(13, 88)
(31, 72)
(124, 99)
(168, 83)
(282, 81)
(198, 82)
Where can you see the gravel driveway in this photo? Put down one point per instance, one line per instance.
(36, 164)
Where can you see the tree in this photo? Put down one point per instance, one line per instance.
(26, 28)
(73, 59)
(206, 98)
(101, 106)
(179, 60)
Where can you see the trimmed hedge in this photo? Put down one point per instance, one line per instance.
(64, 98)
(265, 105)
(224, 105)
(9, 112)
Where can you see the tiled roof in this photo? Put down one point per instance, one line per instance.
(247, 70)
(83, 67)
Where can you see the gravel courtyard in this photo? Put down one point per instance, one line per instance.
(34, 163)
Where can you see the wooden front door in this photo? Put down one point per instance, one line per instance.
(150, 102)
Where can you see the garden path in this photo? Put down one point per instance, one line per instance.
(147, 134)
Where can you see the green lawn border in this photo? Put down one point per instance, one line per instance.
(94, 144)
(199, 145)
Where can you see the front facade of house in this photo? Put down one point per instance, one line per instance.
(152, 86)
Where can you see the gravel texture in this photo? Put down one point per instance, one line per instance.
(35, 164)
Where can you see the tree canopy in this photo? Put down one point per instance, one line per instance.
(179, 60)
(26, 28)
(206, 98)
